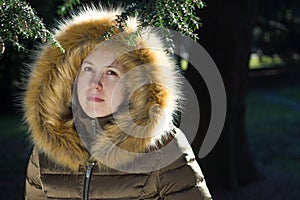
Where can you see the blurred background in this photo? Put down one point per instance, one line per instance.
(256, 46)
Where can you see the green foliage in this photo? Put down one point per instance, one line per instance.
(68, 5)
(277, 29)
(19, 22)
(265, 62)
(175, 15)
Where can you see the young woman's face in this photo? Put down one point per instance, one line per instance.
(97, 81)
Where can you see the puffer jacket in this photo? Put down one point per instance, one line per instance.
(154, 161)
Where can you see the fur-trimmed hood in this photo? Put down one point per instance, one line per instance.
(153, 88)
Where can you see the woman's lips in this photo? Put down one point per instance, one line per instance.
(95, 99)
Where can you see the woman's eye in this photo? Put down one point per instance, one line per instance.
(111, 73)
(87, 69)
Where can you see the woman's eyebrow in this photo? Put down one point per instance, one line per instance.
(116, 66)
(88, 62)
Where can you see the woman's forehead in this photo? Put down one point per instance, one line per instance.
(103, 57)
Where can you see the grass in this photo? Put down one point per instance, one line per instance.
(273, 127)
(11, 126)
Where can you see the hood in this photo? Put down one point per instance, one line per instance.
(153, 90)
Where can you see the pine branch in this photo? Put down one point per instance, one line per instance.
(19, 22)
(176, 15)
(68, 5)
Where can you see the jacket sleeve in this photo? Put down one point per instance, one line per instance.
(33, 185)
(183, 178)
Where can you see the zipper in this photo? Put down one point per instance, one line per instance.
(94, 126)
(89, 171)
(87, 180)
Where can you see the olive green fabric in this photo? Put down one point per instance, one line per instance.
(178, 180)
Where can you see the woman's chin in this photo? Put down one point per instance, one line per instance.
(95, 114)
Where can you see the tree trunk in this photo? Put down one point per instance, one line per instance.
(227, 35)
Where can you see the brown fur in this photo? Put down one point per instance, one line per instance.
(48, 96)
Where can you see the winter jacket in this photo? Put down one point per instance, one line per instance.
(154, 161)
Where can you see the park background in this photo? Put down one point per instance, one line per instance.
(256, 46)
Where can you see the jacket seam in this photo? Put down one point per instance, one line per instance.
(40, 173)
(181, 190)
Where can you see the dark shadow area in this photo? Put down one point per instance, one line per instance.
(14, 155)
(272, 128)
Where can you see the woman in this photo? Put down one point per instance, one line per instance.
(100, 117)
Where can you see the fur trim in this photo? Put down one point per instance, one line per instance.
(48, 97)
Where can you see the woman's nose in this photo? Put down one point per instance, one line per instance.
(96, 83)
